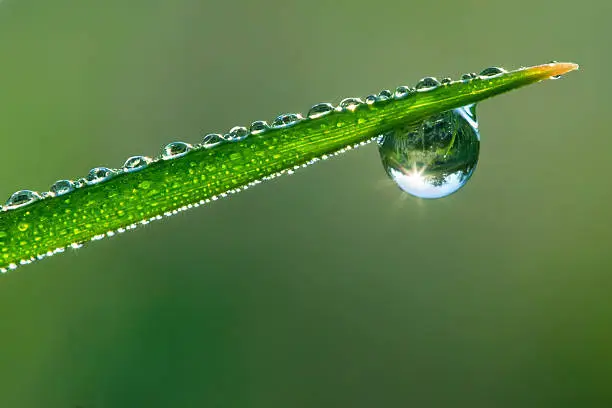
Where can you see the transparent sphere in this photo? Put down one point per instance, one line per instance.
(434, 158)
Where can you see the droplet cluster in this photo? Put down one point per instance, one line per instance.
(178, 149)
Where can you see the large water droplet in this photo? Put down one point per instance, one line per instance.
(211, 140)
(492, 72)
(98, 175)
(175, 149)
(320, 109)
(62, 187)
(286, 120)
(427, 84)
(136, 163)
(21, 198)
(350, 104)
(434, 158)
(258, 127)
(236, 134)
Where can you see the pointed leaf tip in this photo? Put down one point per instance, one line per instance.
(553, 69)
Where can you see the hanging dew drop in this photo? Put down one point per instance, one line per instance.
(427, 84)
(434, 158)
(62, 187)
(21, 198)
(211, 140)
(175, 149)
(319, 110)
(286, 120)
(98, 175)
(258, 127)
(136, 163)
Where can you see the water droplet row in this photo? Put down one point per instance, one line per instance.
(179, 149)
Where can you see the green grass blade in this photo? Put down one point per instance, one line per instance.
(49, 225)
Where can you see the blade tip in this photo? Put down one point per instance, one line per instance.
(556, 69)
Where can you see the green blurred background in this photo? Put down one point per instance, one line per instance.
(329, 288)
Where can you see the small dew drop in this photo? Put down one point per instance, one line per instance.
(98, 175)
(446, 81)
(320, 109)
(21, 198)
(427, 84)
(384, 95)
(82, 182)
(211, 140)
(434, 158)
(402, 91)
(350, 104)
(466, 77)
(175, 149)
(258, 127)
(236, 134)
(492, 72)
(370, 99)
(136, 163)
(287, 119)
(62, 187)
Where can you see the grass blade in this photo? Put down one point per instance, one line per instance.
(47, 224)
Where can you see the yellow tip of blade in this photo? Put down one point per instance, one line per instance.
(554, 69)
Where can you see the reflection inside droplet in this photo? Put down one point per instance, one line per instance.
(98, 175)
(434, 158)
(62, 187)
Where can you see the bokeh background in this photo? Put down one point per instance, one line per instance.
(328, 288)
